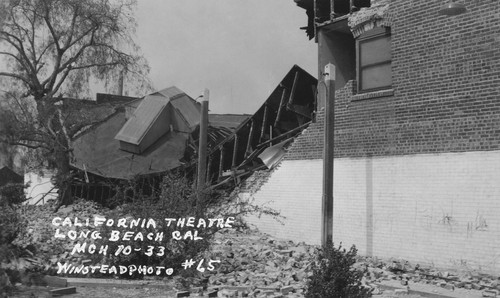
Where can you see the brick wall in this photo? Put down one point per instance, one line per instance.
(446, 88)
(416, 171)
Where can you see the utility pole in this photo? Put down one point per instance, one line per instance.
(327, 206)
(202, 148)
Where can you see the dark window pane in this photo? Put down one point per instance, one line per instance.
(376, 76)
(375, 50)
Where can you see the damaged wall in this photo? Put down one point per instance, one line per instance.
(427, 208)
(415, 166)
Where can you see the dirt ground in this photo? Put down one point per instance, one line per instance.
(105, 292)
(97, 292)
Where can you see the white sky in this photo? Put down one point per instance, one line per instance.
(238, 49)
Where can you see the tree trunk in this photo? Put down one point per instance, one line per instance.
(59, 156)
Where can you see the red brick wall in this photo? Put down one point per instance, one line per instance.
(446, 82)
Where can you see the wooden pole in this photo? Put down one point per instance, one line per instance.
(327, 206)
(202, 149)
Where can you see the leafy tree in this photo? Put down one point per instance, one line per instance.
(52, 48)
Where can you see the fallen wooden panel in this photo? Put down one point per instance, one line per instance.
(63, 291)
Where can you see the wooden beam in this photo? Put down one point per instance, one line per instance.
(221, 162)
(264, 122)
(235, 150)
(63, 291)
(250, 136)
(294, 87)
(280, 108)
(284, 135)
(209, 166)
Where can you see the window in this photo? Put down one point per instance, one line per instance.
(374, 60)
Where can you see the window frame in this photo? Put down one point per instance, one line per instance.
(375, 33)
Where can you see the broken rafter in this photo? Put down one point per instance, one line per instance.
(237, 174)
(294, 87)
(284, 135)
(209, 166)
(235, 150)
(250, 137)
(250, 157)
(264, 122)
(221, 162)
(280, 108)
(314, 92)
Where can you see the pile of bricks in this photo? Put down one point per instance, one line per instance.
(377, 271)
(257, 265)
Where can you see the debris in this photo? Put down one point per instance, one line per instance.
(53, 281)
(183, 294)
(63, 291)
(490, 293)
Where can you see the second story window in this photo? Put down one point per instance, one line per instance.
(374, 60)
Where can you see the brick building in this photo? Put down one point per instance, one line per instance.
(417, 135)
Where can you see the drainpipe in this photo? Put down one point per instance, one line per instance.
(327, 204)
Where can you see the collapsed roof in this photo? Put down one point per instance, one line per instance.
(258, 141)
(150, 135)
(159, 133)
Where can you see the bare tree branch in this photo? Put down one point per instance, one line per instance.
(16, 76)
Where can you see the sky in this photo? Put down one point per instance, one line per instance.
(238, 49)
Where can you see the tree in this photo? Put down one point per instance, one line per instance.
(51, 49)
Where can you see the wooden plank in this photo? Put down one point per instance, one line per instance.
(264, 122)
(291, 98)
(235, 151)
(63, 291)
(221, 162)
(280, 108)
(250, 137)
(209, 166)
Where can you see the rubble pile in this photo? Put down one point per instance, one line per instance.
(377, 271)
(261, 263)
